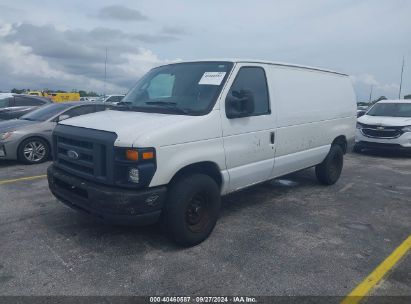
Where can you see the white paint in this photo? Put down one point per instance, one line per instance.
(309, 109)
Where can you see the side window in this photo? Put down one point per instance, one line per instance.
(161, 86)
(114, 99)
(251, 82)
(81, 110)
(4, 102)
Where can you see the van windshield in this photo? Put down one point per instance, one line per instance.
(182, 88)
(391, 110)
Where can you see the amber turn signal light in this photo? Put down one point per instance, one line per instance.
(148, 155)
(132, 155)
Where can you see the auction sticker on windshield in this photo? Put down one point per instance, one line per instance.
(212, 78)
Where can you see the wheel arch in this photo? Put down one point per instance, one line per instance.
(205, 167)
(342, 142)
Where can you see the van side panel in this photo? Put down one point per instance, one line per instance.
(312, 108)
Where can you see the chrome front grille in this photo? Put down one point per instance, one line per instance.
(375, 131)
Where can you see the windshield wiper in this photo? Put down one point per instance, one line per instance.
(169, 105)
(123, 103)
(160, 103)
(129, 106)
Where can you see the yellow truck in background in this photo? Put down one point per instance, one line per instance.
(57, 97)
(63, 97)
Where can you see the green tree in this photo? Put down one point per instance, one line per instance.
(82, 93)
(17, 91)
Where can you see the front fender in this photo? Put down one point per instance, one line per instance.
(171, 159)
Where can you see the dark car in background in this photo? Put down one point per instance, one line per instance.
(15, 105)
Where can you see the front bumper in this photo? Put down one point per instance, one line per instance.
(381, 146)
(2, 151)
(402, 142)
(8, 149)
(113, 204)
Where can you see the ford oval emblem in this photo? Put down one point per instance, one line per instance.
(72, 154)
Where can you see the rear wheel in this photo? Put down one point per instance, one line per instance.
(192, 209)
(329, 171)
(33, 151)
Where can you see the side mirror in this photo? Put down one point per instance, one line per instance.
(239, 104)
(63, 117)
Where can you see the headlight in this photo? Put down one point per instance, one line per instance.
(359, 126)
(134, 175)
(4, 136)
(134, 167)
(407, 129)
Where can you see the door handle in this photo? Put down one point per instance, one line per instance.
(272, 137)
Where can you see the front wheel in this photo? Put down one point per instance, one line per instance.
(33, 151)
(329, 171)
(192, 209)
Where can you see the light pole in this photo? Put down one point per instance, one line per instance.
(372, 87)
(105, 73)
(402, 73)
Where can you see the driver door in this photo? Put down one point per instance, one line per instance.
(249, 139)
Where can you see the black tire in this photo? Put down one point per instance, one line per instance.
(33, 150)
(192, 209)
(357, 149)
(329, 171)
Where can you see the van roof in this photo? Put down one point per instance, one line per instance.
(238, 60)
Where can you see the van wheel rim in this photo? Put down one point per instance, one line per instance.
(197, 213)
(34, 151)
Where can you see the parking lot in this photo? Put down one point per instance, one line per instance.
(287, 237)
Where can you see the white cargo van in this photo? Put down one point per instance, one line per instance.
(190, 132)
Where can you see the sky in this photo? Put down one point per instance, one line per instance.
(62, 44)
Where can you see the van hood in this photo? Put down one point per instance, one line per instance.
(385, 121)
(149, 129)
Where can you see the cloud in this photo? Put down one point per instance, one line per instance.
(174, 30)
(363, 38)
(366, 79)
(77, 44)
(121, 13)
(39, 57)
(366, 82)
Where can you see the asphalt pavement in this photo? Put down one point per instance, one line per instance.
(290, 236)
